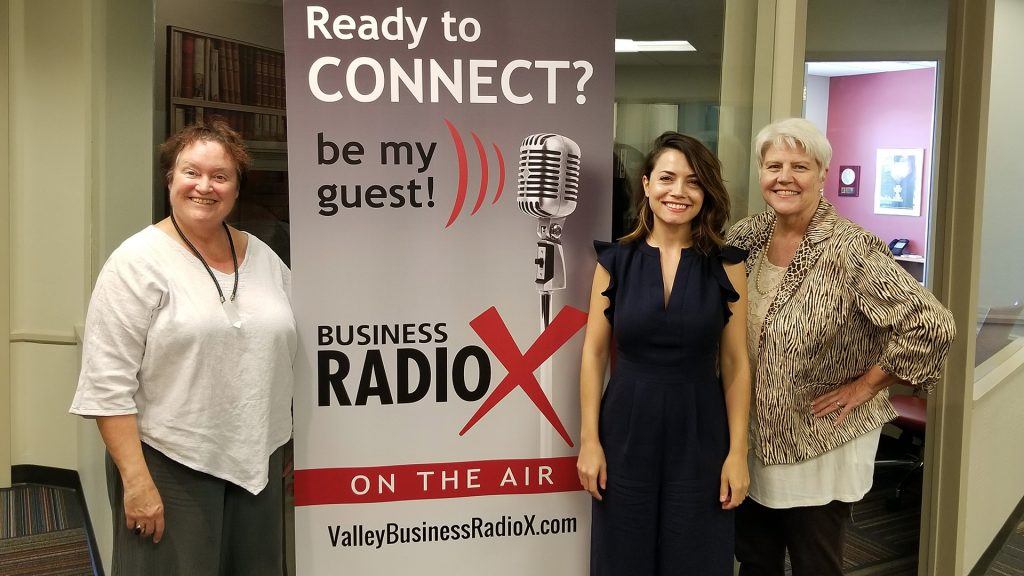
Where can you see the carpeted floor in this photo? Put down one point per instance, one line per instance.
(1010, 560)
(58, 553)
(42, 532)
(881, 541)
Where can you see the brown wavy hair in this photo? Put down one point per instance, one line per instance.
(216, 130)
(708, 225)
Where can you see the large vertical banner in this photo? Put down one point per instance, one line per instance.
(436, 412)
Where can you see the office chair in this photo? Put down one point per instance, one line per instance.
(911, 419)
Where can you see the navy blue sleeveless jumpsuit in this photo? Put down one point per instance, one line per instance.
(663, 423)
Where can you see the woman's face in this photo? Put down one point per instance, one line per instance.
(204, 185)
(791, 181)
(672, 190)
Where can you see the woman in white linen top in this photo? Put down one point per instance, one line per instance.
(187, 368)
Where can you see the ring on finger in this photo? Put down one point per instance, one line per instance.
(138, 529)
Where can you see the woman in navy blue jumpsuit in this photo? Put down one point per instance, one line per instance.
(664, 450)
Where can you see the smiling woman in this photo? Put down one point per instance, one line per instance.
(663, 453)
(190, 384)
(833, 322)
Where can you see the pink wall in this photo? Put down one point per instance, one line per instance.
(871, 111)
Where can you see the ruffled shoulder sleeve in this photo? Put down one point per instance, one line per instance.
(727, 255)
(733, 255)
(606, 256)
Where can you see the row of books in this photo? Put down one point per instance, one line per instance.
(251, 126)
(224, 71)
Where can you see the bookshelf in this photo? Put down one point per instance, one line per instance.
(243, 83)
(209, 75)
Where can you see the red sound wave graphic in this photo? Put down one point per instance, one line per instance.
(501, 174)
(460, 149)
(463, 163)
(483, 173)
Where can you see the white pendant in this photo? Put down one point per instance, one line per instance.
(232, 312)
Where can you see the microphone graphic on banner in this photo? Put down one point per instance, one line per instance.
(548, 189)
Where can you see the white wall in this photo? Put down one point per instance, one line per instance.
(816, 101)
(995, 482)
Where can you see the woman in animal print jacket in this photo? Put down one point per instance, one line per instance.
(833, 321)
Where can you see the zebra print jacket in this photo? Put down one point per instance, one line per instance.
(844, 305)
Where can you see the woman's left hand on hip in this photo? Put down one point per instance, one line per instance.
(844, 399)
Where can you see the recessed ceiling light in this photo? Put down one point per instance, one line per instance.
(627, 45)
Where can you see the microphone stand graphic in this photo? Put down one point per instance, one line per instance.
(548, 189)
(550, 263)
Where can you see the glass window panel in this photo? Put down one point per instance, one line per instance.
(706, 93)
(1000, 328)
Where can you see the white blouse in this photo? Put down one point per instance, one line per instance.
(158, 343)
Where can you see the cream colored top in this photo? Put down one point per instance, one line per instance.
(158, 344)
(843, 473)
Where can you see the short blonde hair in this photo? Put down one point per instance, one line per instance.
(794, 133)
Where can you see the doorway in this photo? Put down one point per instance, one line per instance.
(879, 117)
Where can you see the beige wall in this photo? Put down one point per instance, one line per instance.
(1002, 263)
(5, 265)
(81, 86)
(668, 83)
(995, 482)
(876, 29)
(50, 176)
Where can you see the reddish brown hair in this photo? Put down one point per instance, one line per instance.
(213, 130)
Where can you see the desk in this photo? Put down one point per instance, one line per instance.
(912, 263)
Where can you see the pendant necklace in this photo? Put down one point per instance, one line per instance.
(227, 304)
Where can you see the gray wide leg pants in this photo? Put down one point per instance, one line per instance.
(213, 527)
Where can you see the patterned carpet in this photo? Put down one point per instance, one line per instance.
(42, 532)
(61, 553)
(1010, 560)
(881, 541)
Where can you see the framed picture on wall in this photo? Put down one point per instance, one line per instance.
(898, 180)
(849, 181)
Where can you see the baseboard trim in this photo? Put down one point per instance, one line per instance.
(987, 557)
(61, 478)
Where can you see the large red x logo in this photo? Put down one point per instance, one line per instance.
(493, 331)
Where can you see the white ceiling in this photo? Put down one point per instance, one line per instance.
(853, 68)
